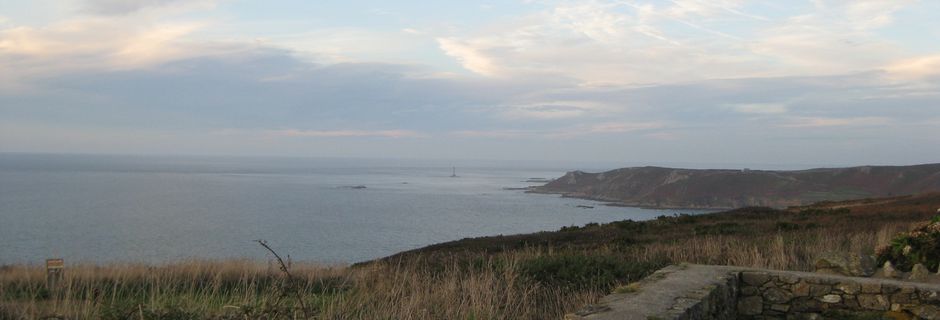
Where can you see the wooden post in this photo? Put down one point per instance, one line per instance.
(54, 270)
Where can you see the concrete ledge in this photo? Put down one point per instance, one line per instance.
(722, 292)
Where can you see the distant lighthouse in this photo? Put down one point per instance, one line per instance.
(454, 174)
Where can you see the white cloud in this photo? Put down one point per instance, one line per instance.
(470, 56)
(918, 68)
(495, 133)
(124, 7)
(552, 110)
(760, 108)
(816, 122)
(600, 43)
(836, 38)
(604, 128)
(346, 133)
(622, 127)
(343, 44)
(100, 43)
(622, 43)
(413, 31)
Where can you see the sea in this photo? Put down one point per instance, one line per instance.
(163, 209)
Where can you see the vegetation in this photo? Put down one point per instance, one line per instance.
(536, 276)
(921, 245)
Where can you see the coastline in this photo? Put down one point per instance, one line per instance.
(619, 203)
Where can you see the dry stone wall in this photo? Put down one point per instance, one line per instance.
(776, 294)
(720, 292)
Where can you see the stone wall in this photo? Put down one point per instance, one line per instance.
(719, 292)
(780, 294)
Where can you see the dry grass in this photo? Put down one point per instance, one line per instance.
(782, 250)
(247, 290)
(492, 289)
(462, 280)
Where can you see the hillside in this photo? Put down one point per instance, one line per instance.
(694, 188)
(743, 224)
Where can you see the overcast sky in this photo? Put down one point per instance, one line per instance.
(695, 81)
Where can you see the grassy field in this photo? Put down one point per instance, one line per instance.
(536, 276)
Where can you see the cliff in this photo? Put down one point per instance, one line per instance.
(694, 188)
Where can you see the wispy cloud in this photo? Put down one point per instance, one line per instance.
(818, 122)
(760, 108)
(94, 44)
(553, 110)
(124, 7)
(917, 68)
(470, 56)
(618, 77)
(606, 128)
(346, 133)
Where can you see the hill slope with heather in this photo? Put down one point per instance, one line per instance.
(713, 188)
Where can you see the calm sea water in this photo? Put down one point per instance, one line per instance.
(161, 209)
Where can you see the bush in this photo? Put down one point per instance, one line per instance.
(583, 271)
(678, 218)
(630, 225)
(723, 228)
(922, 245)
(787, 226)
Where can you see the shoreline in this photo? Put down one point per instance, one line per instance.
(618, 203)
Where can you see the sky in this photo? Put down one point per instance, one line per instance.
(684, 81)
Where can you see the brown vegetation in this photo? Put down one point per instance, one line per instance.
(694, 188)
(536, 276)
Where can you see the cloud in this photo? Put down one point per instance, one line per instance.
(470, 56)
(598, 43)
(622, 43)
(93, 44)
(816, 122)
(553, 110)
(123, 7)
(919, 68)
(568, 132)
(347, 133)
(760, 108)
(621, 127)
(613, 80)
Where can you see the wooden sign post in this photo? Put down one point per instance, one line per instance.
(54, 270)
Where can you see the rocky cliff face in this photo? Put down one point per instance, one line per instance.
(692, 188)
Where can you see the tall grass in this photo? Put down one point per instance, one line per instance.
(243, 289)
(782, 250)
(473, 286)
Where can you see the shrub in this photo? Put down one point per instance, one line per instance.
(787, 226)
(583, 271)
(723, 228)
(630, 225)
(922, 245)
(820, 212)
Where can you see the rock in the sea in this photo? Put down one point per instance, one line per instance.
(848, 264)
(919, 273)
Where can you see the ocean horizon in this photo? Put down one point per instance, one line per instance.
(162, 209)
